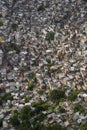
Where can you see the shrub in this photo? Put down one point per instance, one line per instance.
(40, 92)
(85, 0)
(0, 80)
(1, 99)
(14, 119)
(32, 76)
(2, 90)
(7, 96)
(24, 126)
(1, 23)
(54, 127)
(83, 127)
(11, 47)
(25, 113)
(39, 118)
(79, 108)
(14, 26)
(30, 85)
(41, 8)
(57, 94)
(50, 36)
(2, 40)
(27, 98)
(62, 110)
(57, 127)
(39, 107)
(1, 123)
(73, 95)
(85, 29)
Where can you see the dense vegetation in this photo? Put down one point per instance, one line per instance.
(30, 119)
